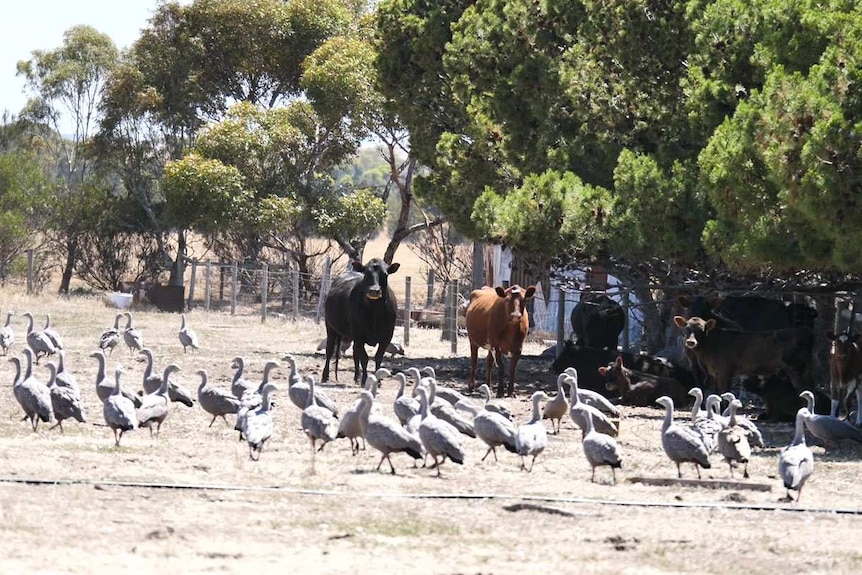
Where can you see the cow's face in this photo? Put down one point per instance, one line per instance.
(843, 343)
(375, 281)
(515, 296)
(694, 328)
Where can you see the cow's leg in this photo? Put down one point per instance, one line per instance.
(381, 351)
(489, 367)
(331, 338)
(474, 362)
(337, 352)
(501, 376)
(858, 404)
(513, 364)
(360, 362)
(835, 394)
(849, 391)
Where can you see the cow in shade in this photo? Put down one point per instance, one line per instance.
(360, 307)
(497, 321)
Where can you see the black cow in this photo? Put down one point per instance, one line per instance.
(360, 307)
(597, 321)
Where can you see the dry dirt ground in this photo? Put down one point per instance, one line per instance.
(277, 516)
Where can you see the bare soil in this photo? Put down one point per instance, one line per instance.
(276, 515)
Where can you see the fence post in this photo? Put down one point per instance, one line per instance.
(453, 317)
(294, 276)
(429, 300)
(627, 304)
(233, 283)
(285, 284)
(446, 326)
(192, 284)
(207, 284)
(29, 271)
(264, 291)
(324, 288)
(561, 318)
(407, 307)
(221, 281)
(478, 265)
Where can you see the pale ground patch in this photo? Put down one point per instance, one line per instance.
(344, 518)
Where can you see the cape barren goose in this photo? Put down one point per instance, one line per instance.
(495, 405)
(258, 425)
(252, 399)
(405, 406)
(33, 395)
(132, 337)
(532, 437)
(385, 434)
(578, 409)
(64, 377)
(188, 337)
(111, 336)
(298, 390)
(239, 385)
(40, 343)
(154, 406)
(52, 334)
(7, 334)
(755, 438)
(594, 399)
(733, 441)
(153, 381)
(495, 430)
(439, 438)
(796, 462)
(558, 406)
(318, 423)
(352, 425)
(214, 401)
(601, 449)
(65, 401)
(681, 443)
(118, 410)
(830, 430)
(105, 387)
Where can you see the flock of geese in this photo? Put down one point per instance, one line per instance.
(431, 421)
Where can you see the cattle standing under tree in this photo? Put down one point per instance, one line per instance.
(597, 321)
(845, 369)
(497, 320)
(360, 307)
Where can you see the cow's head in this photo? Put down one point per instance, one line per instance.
(375, 281)
(612, 373)
(515, 296)
(695, 329)
(843, 343)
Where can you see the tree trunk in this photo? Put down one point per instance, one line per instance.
(178, 270)
(69, 268)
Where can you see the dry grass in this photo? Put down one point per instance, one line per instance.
(357, 525)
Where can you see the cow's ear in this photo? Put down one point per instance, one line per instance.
(684, 300)
(679, 321)
(531, 291)
(393, 268)
(619, 361)
(714, 302)
(500, 291)
(710, 323)
(357, 266)
(603, 370)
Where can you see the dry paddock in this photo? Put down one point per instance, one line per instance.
(100, 509)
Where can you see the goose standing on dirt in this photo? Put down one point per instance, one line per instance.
(446, 411)
(830, 430)
(709, 427)
(385, 434)
(33, 395)
(532, 437)
(298, 389)
(104, 387)
(601, 449)
(696, 411)
(188, 337)
(405, 406)
(351, 425)
(40, 343)
(153, 381)
(119, 411)
(252, 399)
(558, 406)
(318, 423)
(755, 438)
(239, 385)
(258, 425)
(7, 334)
(52, 334)
(495, 405)
(438, 437)
(796, 462)
(578, 409)
(593, 398)
(733, 441)
(444, 393)
(154, 406)
(495, 430)
(214, 401)
(681, 443)
(133, 338)
(111, 336)
(64, 377)
(65, 402)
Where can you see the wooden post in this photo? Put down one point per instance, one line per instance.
(561, 318)
(324, 288)
(453, 317)
(445, 327)
(234, 271)
(264, 291)
(207, 284)
(285, 287)
(294, 276)
(407, 307)
(221, 281)
(626, 305)
(478, 265)
(29, 271)
(429, 300)
(192, 284)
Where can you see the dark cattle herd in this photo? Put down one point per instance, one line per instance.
(597, 321)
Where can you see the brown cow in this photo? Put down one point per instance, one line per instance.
(845, 369)
(497, 321)
(639, 388)
(724, 353)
